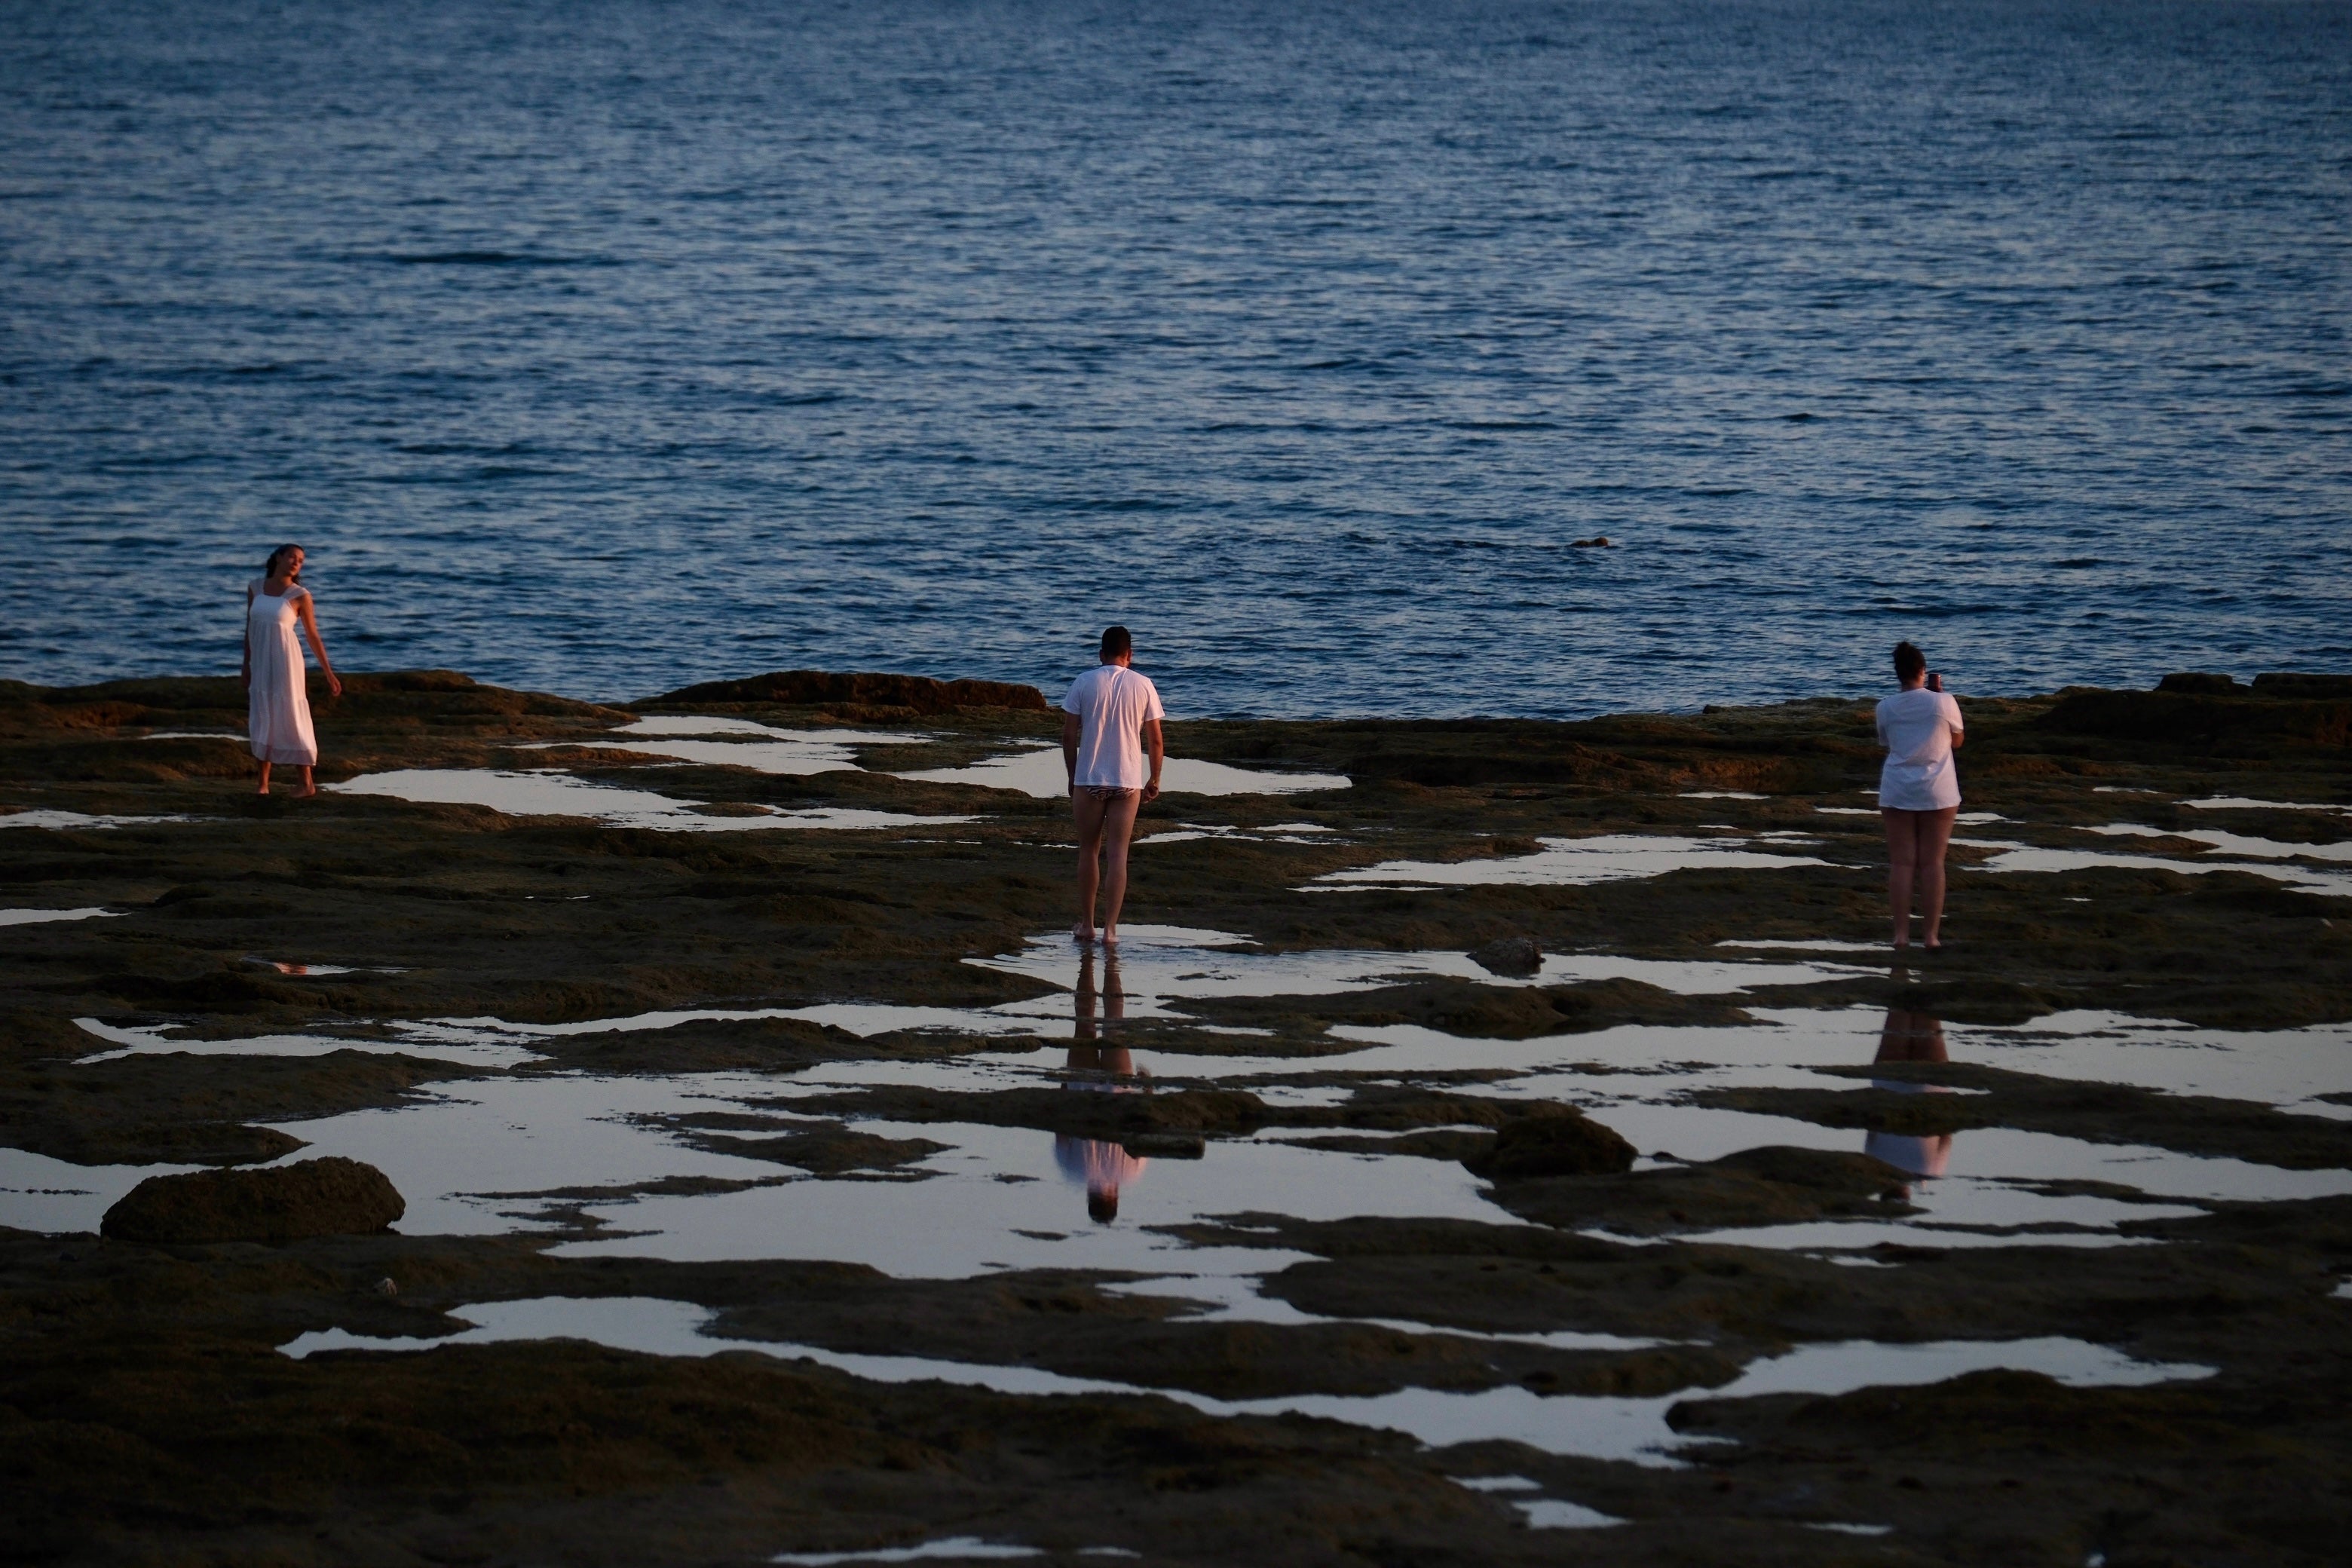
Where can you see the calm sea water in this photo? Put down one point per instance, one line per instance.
(600, 346)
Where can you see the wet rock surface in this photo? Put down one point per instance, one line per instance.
(1321, 1200)
(331, 1196)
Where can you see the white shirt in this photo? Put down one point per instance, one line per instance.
(1916, 728)
(1114, 704)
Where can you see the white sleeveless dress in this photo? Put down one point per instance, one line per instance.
(278, 710)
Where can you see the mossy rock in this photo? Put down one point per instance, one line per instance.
(1564, 1143)
(329, 1197)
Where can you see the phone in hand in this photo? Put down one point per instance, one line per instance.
(1935, 680)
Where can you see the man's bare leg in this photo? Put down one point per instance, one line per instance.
(1117, 829)
(1089, 810)
(1902, 858)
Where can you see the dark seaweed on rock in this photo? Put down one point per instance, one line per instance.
(2238, 725)
(811, 688)
(131, 1371)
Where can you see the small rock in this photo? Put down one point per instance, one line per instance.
(1164, 1145)
(1508, 955)
(1565, 1142)
(331, 1196)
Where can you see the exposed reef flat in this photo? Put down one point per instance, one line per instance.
(1526, 1151)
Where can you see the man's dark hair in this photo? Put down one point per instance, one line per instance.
(1116, 642)
(1102, 1205)
(1908, 661)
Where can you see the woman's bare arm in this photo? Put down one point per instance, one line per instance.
(245, 669)
(308, 610)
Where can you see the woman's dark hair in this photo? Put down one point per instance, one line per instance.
(1102, 1205)
(269, 568)
(1116, 642)
(1908, 661)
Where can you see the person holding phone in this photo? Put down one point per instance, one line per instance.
(1918, 794)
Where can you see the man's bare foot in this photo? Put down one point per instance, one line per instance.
(1110, 936)
(1082, 933)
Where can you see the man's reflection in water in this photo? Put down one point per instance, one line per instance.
(1909, 1036)
(1100, 1166)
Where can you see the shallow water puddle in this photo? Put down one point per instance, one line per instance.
(763, 747)
(1235, 1298)
(2234, 843)
(71, 819)
(552, 794)
(1154, 966)
(2013, 856)
(790, 758)
(479, 1158)
(1568, 862)
(559, 1131)
(1085, 1204)
(472, 1158)
(1273, 833)
(53, 1197)
(412, 1040)
(1597, 1426)
(40, 917)
(2240, 803)
(962, 1548)
(1040, 772)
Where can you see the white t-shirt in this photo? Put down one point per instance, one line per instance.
(1916, 728)
(1116, 704)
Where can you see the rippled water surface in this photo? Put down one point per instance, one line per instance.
(602, 348)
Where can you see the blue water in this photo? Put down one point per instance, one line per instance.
(599, 347)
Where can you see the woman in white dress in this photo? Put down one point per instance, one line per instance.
(1918, 794)
(277, 703)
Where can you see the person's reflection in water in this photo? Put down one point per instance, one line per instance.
(1909, 1036)
(1102, 1167)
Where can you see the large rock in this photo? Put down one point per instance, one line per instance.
(1564, 1143)
(2288, 683)
(331, 1196)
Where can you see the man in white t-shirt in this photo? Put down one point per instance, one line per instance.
(1918, 794)
(1111, 746)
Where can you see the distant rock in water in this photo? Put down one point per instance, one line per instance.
(1508, 955)
(2200, 684)
(329, 1197)
(1562, 1142)
(806, 688)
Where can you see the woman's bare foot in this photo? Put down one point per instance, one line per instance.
(1082, 933)
(306, 792)
(1110, 936)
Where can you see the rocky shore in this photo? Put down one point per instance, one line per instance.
(1517, 1057)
